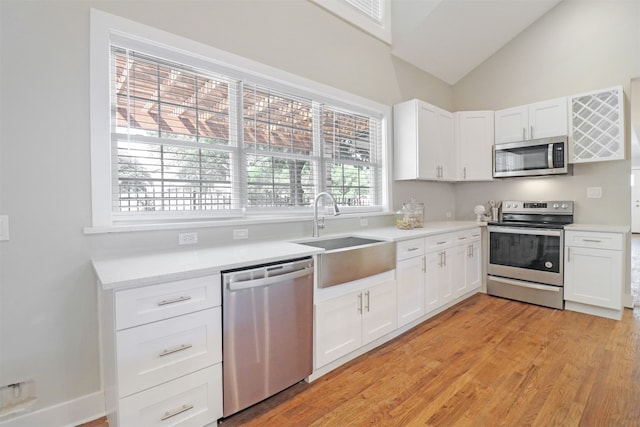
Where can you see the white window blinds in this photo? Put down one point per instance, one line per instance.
(193, 142)
(171, 137)
(371, 8)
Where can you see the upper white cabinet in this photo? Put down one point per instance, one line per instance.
(532, 121)
(597, 126)
(423, 141)
(474, 139)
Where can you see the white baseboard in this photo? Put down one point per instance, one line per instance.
(65, 414)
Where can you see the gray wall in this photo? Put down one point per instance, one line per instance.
(580, 45)
(48, 323)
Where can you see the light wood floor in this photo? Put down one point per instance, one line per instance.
(485, 362)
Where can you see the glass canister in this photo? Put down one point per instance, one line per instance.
(404, 219)
(418, 215)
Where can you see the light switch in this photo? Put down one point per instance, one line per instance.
(4, 228)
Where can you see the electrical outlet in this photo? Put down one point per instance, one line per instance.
(449, 214)
(594, 192)
(187, 238)
(240, 233)
(364, 222)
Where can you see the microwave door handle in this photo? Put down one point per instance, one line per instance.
(550, 156)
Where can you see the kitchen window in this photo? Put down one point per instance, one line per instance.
(191, 137)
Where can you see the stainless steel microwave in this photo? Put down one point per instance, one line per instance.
(545, 156)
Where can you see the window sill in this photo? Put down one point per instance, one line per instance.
(184, 225)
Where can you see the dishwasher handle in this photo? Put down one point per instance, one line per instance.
(266, 281)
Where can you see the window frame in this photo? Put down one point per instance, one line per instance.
(107, 29)
(348, 12)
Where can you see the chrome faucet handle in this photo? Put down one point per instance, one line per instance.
(321, 223)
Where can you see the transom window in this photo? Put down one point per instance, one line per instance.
(192, 141)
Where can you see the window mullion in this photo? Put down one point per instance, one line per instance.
(317, 147)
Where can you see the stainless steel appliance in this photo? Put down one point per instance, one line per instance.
(267, 330)
(526, 256)
(546, 156)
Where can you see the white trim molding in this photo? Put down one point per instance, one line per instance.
(66, 414)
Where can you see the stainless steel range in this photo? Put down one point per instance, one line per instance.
(526, 253)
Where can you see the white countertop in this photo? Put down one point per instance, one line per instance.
(156, 267)
(603, 228)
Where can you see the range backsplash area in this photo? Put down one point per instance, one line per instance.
(614, 207)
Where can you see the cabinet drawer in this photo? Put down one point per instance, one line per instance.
(190, 401)
(151, 303)
(465, 236)
(151, 354)
(409, 249)
(440, 241)
(590, 239)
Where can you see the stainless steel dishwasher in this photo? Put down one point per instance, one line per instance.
(267, 330)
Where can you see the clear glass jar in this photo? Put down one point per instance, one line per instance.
(404, 220)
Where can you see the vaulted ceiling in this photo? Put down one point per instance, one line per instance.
(449, 38)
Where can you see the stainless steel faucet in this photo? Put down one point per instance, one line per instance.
(317, 226)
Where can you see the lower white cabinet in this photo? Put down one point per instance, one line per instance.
(433, 271)
(410, 277)
(162, 353)
(594, 271)
(193, 400)
(347, 322)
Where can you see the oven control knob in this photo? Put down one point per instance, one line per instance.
(556, 206)
(564, 206)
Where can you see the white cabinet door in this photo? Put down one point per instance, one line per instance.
(511, 124)
(445, 146)
(410, 289)
(593, 276)
(473, 141)
(438, 281)
(457, 258)
(378, 311)
(473, 266)
(532, 121)
(423, 142)
(548, 118)
(428, 147)
(338, 327)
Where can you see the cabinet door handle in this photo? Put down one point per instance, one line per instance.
(424, 264)
(173, 301)
(360, 303)
(368, 301)
(531, 136)
(176, 349)
(464, 173)
(524, 133)
(183, 408)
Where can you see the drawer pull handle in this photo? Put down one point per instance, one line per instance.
(173, 301)
(462, 238)
(175, 349)
(442, 243)
(592, 240)
(178, 411)
(412, 249)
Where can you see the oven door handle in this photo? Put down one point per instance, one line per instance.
(525, 230)
(525, 284)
